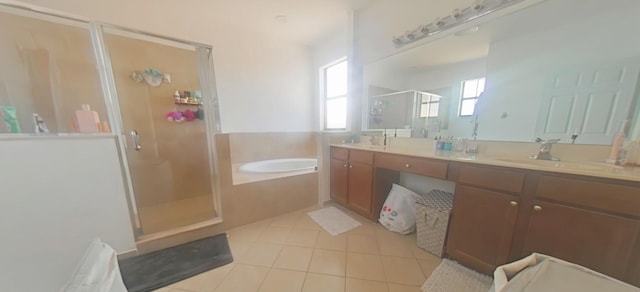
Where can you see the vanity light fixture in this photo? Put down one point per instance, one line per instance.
(467, 31)
(458, 16)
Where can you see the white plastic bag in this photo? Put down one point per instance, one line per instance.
(398, 213)
(98, 271)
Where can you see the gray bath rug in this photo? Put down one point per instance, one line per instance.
(158, 269)
(450, 276)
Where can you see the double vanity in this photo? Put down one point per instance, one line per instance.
(506, 208)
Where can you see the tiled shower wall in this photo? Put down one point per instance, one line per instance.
(251, 202)
(173, 163)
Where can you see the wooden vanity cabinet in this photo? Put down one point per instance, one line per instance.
(352, 179)
(483, 218)
(599, 241)
(503, 214)
(590, 222)
(339, 175)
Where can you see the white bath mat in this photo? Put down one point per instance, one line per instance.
(333, 220)
(450, 276)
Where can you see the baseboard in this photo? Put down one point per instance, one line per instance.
(127, 254)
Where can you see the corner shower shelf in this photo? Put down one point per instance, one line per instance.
(188, 103)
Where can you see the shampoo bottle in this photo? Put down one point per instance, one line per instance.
(87, 120)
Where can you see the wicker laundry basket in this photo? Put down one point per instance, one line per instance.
(432, 220)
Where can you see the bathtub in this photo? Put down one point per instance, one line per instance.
(280, 165)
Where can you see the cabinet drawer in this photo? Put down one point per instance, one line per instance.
(597, 195)
(421, 166)
(497, 179)
(339, 153)
(364, 157)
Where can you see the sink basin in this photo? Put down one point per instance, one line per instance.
(595, 166)
(374, 146)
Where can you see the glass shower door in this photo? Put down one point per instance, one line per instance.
(168, 147)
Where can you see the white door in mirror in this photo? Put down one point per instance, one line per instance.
(591, 101)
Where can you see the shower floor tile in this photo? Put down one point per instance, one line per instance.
(174, 214)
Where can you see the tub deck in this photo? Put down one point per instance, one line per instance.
(240, 177)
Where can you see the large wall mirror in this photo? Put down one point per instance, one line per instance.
(552, 70)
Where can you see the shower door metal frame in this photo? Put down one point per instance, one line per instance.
(212, 121)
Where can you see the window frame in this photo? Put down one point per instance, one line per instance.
(476, 97)
(429, 103)
(326, 98)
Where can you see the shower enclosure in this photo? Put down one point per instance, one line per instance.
(154, 95)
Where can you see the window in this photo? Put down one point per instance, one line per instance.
(429, 105)
(471, 90)
(335, 95)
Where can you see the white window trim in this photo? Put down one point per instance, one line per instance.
(429, 104)
(462, 98)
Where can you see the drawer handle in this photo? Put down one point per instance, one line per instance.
(407, 165)
(537, 208)
(513, 203)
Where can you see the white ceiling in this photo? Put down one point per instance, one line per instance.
(307, 20)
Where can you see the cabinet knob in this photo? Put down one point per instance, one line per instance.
(350, 166)
(513, 203)
(345, 165)
(407, 165)
(537, 208)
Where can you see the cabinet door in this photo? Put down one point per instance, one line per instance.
(481, 228)
(360, 187)
(599, 241)
(339, 173)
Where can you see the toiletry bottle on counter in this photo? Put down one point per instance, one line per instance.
(439, 144)
(447, 144)
(631, 151)
(616, 146)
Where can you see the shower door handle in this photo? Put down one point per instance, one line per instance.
(136, 140)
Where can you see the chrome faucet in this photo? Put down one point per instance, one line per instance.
(545, 150)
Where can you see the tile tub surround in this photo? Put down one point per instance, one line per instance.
(492, 153)
(247, 203)
(292, 253)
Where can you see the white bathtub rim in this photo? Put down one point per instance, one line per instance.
(255, 167)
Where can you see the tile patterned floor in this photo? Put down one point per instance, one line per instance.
(291, 253)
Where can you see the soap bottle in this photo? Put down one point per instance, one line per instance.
(616, 146)
(88, 121)
(448, 143)
(632, 151)
(176, 96)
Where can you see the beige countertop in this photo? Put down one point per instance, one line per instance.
(578, 167)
